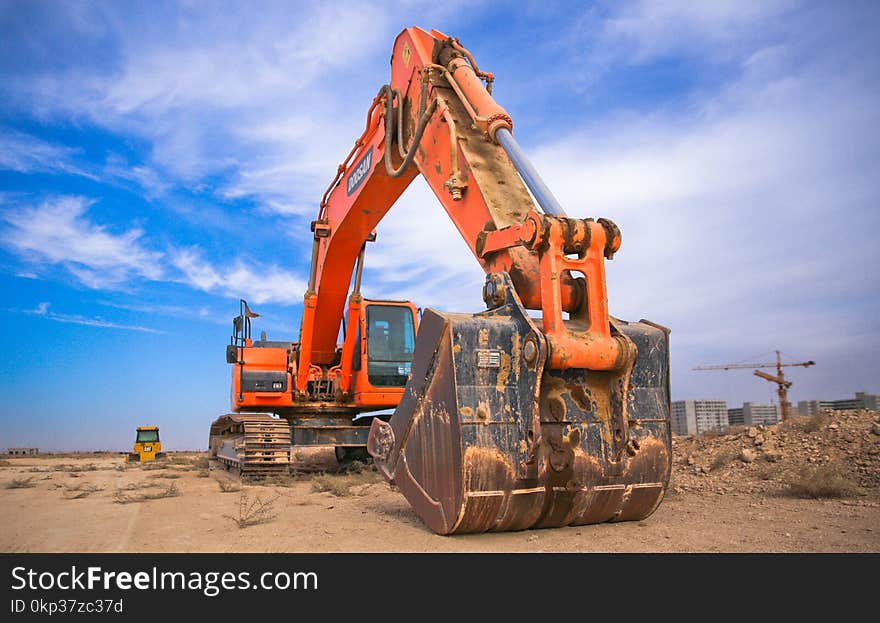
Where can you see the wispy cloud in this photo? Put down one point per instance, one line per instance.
(147, 178)
(644, 30)
(42, 310)
(252, 281)
(729, 204)
(214, 91)
(251, 96)
(420, 256)
(59, 232)
(199, 312)
(747, 197)
(24, 153)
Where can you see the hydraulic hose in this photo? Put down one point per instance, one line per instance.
(417, 137)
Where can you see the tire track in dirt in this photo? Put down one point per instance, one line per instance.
(122, 546)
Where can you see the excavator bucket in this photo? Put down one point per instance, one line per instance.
(488, 438)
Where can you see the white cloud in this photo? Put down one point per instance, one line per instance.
(253, 282)
(747, 204)
(420, 256)
(260, 101)
(637, 32)
(58, 232)
(174, 311)
(23, 153)
(150, 181)
(747, 213)
(42, 310)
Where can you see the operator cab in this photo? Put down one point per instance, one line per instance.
(147, 435)
(391, 339)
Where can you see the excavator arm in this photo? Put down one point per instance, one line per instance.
(508, 419)
(437, 119)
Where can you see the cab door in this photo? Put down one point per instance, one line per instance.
(384, 357)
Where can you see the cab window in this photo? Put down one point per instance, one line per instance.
(390, 343)
(147, 436)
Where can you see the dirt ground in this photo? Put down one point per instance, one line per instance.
(719, 501)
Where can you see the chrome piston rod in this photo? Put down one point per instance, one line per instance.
(528, 173)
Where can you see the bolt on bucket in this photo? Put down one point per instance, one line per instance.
(487, 438)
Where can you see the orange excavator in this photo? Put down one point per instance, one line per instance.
(503, 420)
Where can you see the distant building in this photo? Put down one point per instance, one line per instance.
(695, 417)
(807, 408)
(735, 417)
(759, 415)
(861, 401)
(22, 451)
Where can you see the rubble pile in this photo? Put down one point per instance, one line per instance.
(763, 459)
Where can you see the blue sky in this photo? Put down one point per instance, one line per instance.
(160, 160)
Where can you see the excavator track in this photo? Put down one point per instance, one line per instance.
(254, 445)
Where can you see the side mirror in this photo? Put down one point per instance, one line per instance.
(231, 353)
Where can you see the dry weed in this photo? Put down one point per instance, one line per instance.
(816, 422)
(344, 485)
(80, 491)
(20, 483)
(286, 480)
(170, 491)
(724, 458)
(252, 512)
(821, 481)
(228, 486)
(136, 486)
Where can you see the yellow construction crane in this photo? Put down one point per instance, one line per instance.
(779, 379)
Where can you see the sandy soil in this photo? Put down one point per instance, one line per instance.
(74, 505)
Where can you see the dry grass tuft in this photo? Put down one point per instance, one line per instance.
(724, 458)
(344, 485)
(228, 486)
(252, 512)
(173, 459)
(822, 481)
(87, 467)
(120, 497)
(83, 490)
(285, 481)
(20, 483)
(816, 422)
(136, 486)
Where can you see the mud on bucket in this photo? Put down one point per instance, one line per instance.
(485, 438)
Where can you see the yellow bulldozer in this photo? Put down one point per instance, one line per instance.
(147, 446)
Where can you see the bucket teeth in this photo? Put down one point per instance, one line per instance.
(486, 438)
